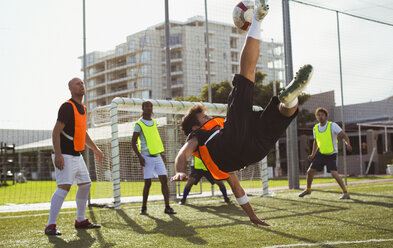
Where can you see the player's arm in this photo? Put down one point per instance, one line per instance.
(344, 136)
(181, 159)
(134, 140)
(59, 160)
(242, 199)
(97, 152)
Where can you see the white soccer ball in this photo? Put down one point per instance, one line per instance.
(242, 14)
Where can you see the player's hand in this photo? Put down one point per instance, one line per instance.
(59, 162)
(349, 147)
(310, 158)
(142, 161)
(258, 221)
(180, 176)
(99, 155)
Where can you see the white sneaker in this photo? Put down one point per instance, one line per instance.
(261, 9)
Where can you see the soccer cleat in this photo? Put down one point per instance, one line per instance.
(143, 211)
(260, 10)
(297, 85)
(345, 196)
(86, 224)
(305, 193)
(51, 230)
(227, 200)
(182, 202)
(169, 210)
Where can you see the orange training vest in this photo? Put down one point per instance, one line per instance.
(203, 152)
(80, 128)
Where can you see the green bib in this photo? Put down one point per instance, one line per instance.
(153, 139)
(198, 164)
(324, 139)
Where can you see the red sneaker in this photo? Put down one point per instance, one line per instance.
(51, 230)
(86, 224)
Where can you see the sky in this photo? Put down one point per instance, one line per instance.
(41, 40)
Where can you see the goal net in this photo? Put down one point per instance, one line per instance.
(119, 178)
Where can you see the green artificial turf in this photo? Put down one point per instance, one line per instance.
(317, 218)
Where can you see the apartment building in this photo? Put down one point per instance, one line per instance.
(137, 68)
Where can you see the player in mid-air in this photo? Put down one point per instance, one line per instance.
(246, 136)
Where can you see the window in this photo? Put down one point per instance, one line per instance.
(92, 105)
(197, 39)
(146, 70)
(145, 56)
(143, 41)
(132, 85)
(132, 59)
(146, 82)
(146, 94)
(131, 45)
(92, 93)
(174, 39)
(91, 71)
(119, 51)
(224, 43)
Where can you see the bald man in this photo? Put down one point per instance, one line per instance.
(69, 138)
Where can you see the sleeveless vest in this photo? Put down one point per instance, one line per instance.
(324, 139)
(79, 138)
(203, 153)
(153, 139)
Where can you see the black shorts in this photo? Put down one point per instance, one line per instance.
(197, 174)
(247, 136)
(321, 160)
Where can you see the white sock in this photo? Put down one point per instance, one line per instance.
(291, 104)
(255, 29)
(81, 200)
(55, 204)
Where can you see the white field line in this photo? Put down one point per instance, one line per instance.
(331, 243)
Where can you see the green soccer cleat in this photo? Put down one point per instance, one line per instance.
(261, 9)
(297, 85)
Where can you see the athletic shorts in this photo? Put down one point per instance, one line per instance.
(74, 172)
(154, 166)
(197, 174)
(321, 160)
(247, 136)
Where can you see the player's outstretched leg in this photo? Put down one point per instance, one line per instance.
(293, 90)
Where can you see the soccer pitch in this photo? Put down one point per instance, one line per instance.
(317, 220)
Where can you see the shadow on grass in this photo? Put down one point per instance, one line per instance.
(177, 228)
(100, 237)
(354, 194)
(85, 240)
(231, 211)
(333, 208)
(173, 228)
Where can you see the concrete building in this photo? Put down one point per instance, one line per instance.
(137, 68)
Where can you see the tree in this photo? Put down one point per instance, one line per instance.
(191, 98)
(220, 92)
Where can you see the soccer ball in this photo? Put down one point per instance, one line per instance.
(242, 14)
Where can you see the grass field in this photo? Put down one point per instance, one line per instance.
(366, 220)
(41, 191)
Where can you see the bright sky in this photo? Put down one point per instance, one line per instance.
(41, 40)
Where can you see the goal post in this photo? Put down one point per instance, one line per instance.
(121, 164)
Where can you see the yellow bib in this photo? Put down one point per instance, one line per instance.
(153, 139)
